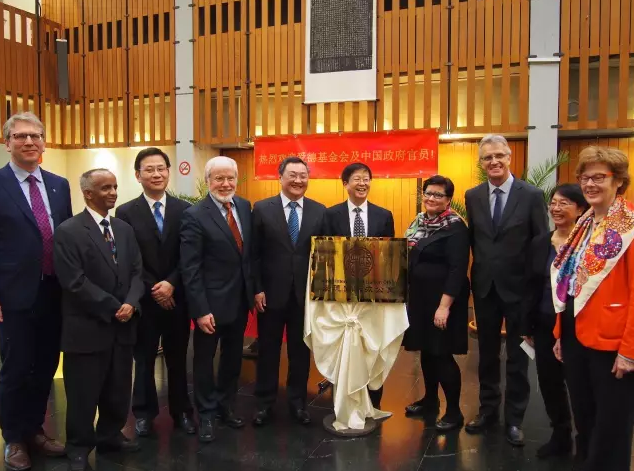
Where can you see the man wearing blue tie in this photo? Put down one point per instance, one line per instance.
(156, 217)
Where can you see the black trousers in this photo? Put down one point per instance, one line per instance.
(212, 395)
(100, 380)
(602, 405)
(271, 325)
(174, 329)
(550, 376)
(444, 371)
(489, 312)
(29, 348)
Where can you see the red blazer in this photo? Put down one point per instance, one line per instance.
(606, 322)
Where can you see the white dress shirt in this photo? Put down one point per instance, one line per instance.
(287, 209)
(506, 189)
(98, 218)
(364, 216)
(223, 211)
(22, 175)
(152, 201)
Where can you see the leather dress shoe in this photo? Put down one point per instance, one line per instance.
(46, 445)
(514, 435)
(560, 443)
(78, 462)
(185, 423)
(207, 431)
(143, 427)
(262, 417)
(449, 423)
(481, 422)
(301, 415)
(229, 418)
(123, 444)
(423, 408)
(16, 457)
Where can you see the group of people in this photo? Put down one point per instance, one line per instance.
(106, 289)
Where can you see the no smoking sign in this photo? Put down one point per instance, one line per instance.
(184, 168)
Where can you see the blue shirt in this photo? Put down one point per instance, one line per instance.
(21, 176)
(506, 189)
(223, 211)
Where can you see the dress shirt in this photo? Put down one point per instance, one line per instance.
(506, 189)
(98, 218)
(22, 175)
(363, 214)
(151, 202)
(223, 211)
(287, 209)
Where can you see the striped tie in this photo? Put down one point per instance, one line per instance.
(293, 222)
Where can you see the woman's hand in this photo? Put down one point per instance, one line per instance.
(441, 316)
(622, 367)
(557, 350)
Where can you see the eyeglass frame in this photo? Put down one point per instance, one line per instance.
(585, 179)
(21, 138)
(435, 196)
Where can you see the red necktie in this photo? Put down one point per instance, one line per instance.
(233, 225)
(43, 224)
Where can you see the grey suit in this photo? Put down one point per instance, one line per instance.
(498, 279)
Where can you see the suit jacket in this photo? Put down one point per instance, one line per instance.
(216, 276)
(94, 287)
(538, 276)
(21, 240)
(380, 221)
(160, 252)
(281, 269)
(500, 255)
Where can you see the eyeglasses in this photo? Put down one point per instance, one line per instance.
(152, 170)
(596, 178)
(295, 176)
(361, 180)
(21, 137)
(220, 179)
(560, 204)
(434, 195)
(490, 157)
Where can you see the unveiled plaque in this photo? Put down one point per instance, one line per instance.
(341, 35)
(359, 269)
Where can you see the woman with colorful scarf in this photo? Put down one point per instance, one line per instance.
(438, 301)
(593, 293)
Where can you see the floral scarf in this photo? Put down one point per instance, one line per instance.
(589, 255)
(424, 226)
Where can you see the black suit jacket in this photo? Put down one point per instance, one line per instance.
(500, 256)
(94, 287)
(160, 252)
(281, 269)
(21, 240)
(216, 276)
(380, 221)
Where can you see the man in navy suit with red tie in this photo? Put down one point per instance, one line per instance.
(34, 203)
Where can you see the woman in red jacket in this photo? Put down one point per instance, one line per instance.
(593, 292)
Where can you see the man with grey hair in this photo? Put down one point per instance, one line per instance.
(216, 273)
(99, 266)
(504, 215)
(34, 203)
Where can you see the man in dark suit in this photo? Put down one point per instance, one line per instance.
(99, 267)
(34, 203)
(504, 215)
(282, 229)
(216, 270)
(156, 217)
(357, 217)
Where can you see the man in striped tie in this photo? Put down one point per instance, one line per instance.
(282, 229)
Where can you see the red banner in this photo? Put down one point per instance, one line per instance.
(390, 154)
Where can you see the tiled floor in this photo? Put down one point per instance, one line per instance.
(399, 444)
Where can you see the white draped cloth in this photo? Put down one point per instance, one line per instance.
(354, 345)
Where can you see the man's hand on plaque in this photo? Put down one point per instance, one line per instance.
(260, 301)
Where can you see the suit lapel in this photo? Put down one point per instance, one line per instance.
(308, 220)
(344, 220)
(97, 237)
(171, 219)
(145, 214)
(53, 196)
(13, 188)
(511, 204)
(220, 221)
(280, 219)
(483, 198)
(373, 223)
(243, 215)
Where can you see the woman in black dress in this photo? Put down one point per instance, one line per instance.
(566, 206)
(438, 300)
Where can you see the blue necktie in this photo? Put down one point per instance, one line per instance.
(293, 222)
(158, 217)
(497, 208)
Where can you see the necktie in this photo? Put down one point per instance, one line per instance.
(158, 217)
(359, 228)
(107, 235)
(233, 225)
(293, 222)
(497, 207)
(43, 224)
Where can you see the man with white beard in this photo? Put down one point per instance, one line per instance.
(215, 266)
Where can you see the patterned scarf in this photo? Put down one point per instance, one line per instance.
(424, 226)
(589, 255)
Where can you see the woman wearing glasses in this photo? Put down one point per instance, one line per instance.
(566, 206)
(593, 292)
(438, 300)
